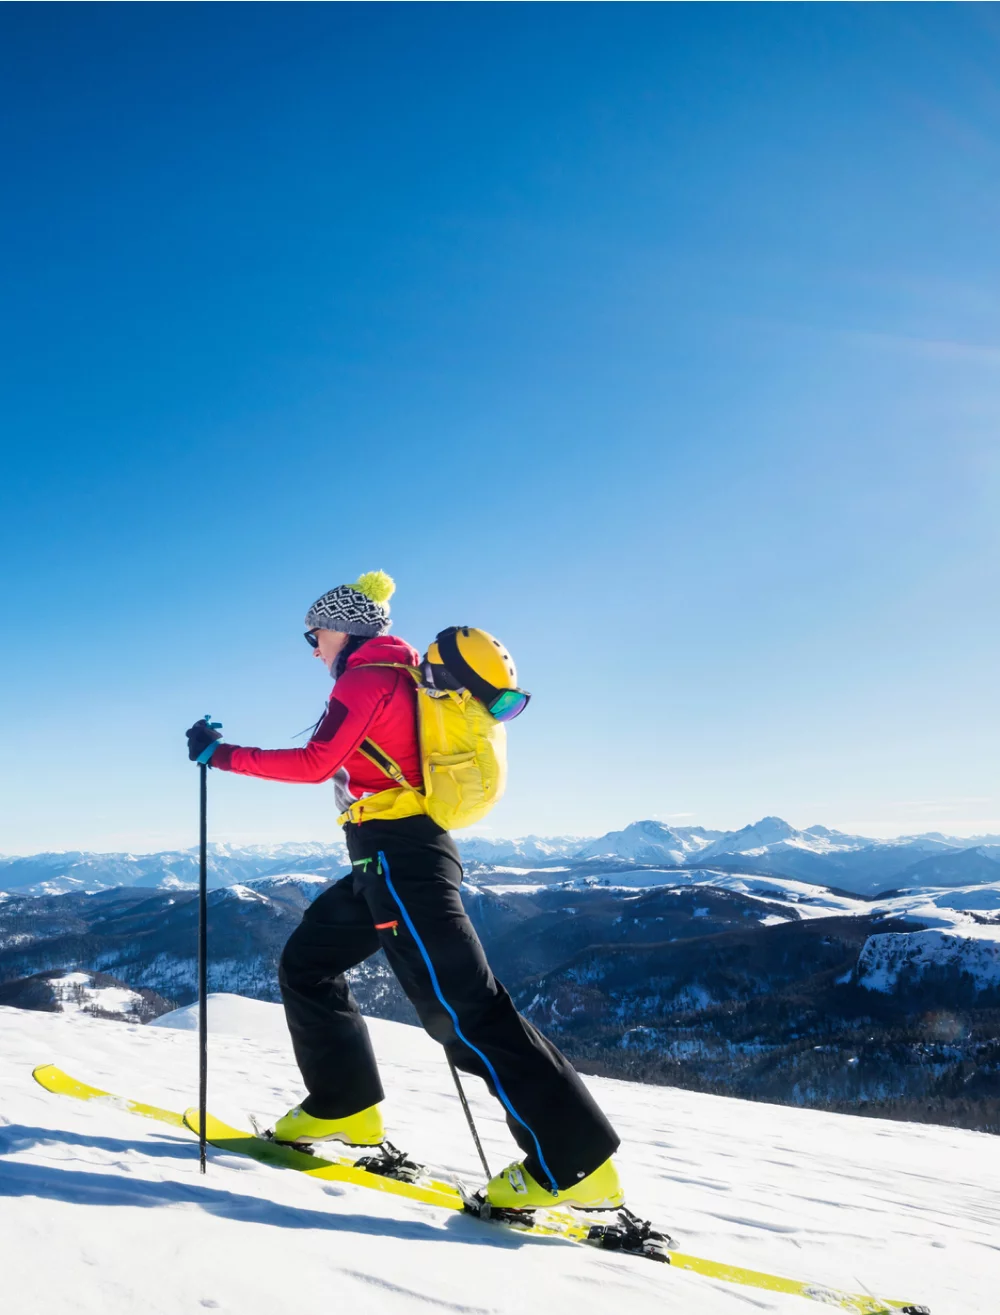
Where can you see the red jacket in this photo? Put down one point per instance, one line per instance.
(366, 701)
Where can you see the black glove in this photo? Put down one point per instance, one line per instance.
(200, 736)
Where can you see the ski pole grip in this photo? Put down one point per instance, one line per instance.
(209, 749)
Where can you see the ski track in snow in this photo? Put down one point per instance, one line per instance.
(108, 1214)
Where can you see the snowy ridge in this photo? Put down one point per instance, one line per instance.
(231, 1015)
(975, 953)
(236, 892)
(827, 1197)
(308, 884)
(961, 935)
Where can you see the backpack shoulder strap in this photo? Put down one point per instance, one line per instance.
(370, 750)
(396, 666)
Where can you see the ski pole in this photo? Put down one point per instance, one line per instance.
(203, 954)
(468, 1116)
(203, 967)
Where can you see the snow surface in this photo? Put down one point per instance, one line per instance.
(109, 1213)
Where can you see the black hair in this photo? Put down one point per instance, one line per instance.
(352, 646)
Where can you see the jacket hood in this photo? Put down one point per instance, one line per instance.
(384, 648)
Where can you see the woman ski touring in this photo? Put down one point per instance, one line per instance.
(403, 896)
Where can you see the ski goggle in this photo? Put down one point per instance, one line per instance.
(508, 704)
(311, 639)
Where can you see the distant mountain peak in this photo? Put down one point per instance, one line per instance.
(776, 826)
(771, 845)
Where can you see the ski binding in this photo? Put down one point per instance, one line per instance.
(387, 1161)
(620, 1230)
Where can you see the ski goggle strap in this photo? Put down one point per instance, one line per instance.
(503, 704)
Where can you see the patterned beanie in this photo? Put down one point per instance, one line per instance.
(361, 608)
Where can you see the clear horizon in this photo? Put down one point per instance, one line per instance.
(661, 341)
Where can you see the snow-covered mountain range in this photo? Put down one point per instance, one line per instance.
(81, 872)
(857, 864)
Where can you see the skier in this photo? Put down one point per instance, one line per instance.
(403, 895)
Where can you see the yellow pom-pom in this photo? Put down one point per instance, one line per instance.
(376, 585)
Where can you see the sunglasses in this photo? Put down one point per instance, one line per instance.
(311, 639)
(508, 704)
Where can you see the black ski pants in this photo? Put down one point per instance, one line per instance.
(403, 896)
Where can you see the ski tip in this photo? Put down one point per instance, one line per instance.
(192, 1119)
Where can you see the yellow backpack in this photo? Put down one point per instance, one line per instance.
(463, 756)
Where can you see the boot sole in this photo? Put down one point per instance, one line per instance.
(561, 1202)
(331, 1141)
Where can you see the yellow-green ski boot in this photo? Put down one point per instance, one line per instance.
(362, 1129)
(515, 1189)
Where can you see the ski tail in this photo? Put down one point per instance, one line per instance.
(61, 1084)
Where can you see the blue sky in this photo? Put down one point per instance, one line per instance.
(663, 341)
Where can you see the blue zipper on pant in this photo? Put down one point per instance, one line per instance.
(384, 863)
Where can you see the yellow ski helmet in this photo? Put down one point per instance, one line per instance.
(464, 657)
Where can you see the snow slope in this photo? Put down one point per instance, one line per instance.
(109, 1215)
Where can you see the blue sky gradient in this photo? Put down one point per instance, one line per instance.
(663, 341)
